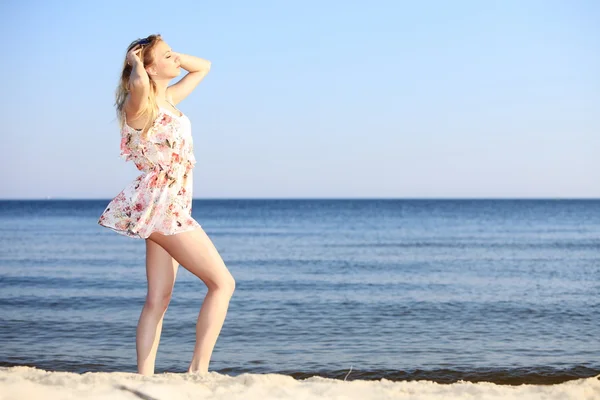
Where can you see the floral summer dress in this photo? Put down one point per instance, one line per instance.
(160, 199)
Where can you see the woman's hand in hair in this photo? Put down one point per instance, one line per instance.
(133, 56)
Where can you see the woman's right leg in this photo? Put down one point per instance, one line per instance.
(161, 270)
(196, 253)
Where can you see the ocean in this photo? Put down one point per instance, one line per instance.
(371, 291)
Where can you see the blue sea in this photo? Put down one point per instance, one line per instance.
(505, 291)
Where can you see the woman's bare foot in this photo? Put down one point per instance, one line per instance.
(197, 371)
(196, 368)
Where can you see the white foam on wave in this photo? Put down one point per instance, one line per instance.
(24, 383)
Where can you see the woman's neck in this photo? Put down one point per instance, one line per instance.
(161, 89)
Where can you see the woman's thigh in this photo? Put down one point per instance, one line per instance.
(195, 252)
(161, 270)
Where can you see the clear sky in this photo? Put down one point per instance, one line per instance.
(316, 99)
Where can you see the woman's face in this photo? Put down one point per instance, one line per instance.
(166, 62)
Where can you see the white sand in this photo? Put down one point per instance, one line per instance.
(24, 383)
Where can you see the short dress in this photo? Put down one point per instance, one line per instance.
(160, 199)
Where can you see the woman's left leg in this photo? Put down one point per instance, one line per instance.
(161, 270)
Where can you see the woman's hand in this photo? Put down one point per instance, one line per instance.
(133, 56)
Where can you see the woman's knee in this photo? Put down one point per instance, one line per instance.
(225, 284)
(231, 283)
(158, 301)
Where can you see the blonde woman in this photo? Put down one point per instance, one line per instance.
(157, 205)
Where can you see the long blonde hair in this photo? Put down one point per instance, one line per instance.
(122, 91)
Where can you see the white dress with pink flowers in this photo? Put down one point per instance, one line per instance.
(160, 199)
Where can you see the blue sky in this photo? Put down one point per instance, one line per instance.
(316, 99)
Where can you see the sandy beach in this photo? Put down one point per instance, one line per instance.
(25, 383)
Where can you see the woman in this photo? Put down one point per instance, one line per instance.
(157, 205)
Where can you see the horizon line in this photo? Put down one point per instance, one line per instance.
(314, 198)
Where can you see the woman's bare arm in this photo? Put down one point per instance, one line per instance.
(139, 86)
(197, 69)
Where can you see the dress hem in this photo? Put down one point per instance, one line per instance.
(134, 235)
